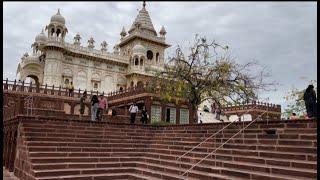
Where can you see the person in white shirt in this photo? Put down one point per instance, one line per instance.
(133, 112)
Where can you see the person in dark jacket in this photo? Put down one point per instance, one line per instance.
(82, 103)
(94, 107)
(144, 116)
(310, 100)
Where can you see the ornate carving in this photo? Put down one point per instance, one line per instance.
(48, 105)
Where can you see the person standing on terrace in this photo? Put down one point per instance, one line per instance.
(133, 112)
(82, 106)
(103, 105)
(144, 115)
(94, 107)
(310, 100)
(70, 88)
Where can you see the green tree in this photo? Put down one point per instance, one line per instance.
(295, 101)
(208, 72)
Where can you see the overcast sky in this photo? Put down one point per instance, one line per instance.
(281, 35)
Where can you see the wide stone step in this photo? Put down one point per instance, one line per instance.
(151, 170)
(94, 148)
(183, 141)
(248, 138)
(267, 145)
(108, 176)
(156, 158)
(239, 138)
(167, 167)
(134, 157)
(148, 132)
(81, 124)
(243, 152)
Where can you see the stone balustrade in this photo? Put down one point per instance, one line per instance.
(253, 105)
(21, 86)
(139, 34)
(54, 41)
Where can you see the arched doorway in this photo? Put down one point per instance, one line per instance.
(35, 80)
(139, 84)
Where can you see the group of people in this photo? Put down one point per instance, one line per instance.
(133, 109)
(98, 106)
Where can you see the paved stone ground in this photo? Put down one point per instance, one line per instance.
(8, 175)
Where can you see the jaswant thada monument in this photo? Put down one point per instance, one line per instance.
(54, 61)
(133, 60)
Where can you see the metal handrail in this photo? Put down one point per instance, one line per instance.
(223, 144)
(214, 134)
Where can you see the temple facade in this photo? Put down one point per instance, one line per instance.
(136, 56)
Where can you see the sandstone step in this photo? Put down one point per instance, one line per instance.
(226, 133)
(230, 151)
(209, 161)
(97, 129)
(113, 138)
(257, 167)
(173, 172)
(239, 165)
(109, 176)
(309, 123)
(72, 147)
(249, 159)
(205, 147)
(185, 141)
(99, 173)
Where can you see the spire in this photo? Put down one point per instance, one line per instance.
(144, 5)
(58, 13)
(143, 20)
(123, 33)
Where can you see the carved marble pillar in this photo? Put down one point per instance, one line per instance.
(53, 68)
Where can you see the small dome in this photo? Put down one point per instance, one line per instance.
(138, 49)
(41, 37)
(163, 31)
(58, 18)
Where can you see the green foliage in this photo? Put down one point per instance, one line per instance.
(161, 123)
(295, 102)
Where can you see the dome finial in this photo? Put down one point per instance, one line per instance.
(144, 4)
(58, 11)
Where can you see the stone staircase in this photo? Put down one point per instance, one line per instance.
(56, 149)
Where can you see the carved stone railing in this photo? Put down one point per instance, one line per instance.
(53, 41)
(21, 86)
(256, 104)
(140, 34)
(32, 60)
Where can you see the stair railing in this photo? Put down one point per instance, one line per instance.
(241, 130)
(215, 133)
